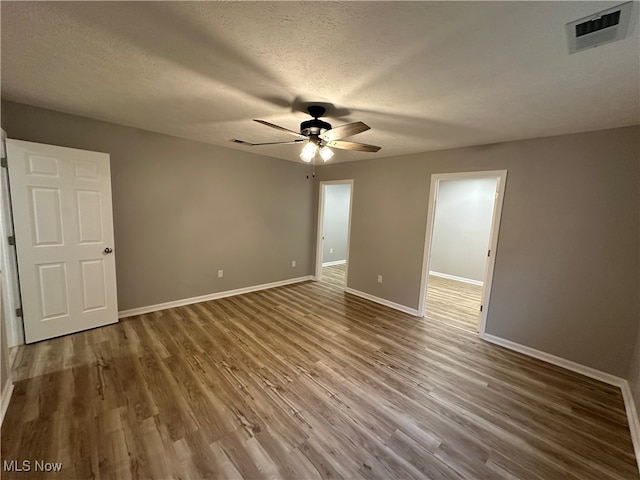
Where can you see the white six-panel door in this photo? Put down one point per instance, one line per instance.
(61, 200)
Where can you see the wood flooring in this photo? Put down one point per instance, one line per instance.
(334, 275)
(454, 302)
(302, 382)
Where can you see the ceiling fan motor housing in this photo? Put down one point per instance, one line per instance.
(314, 127)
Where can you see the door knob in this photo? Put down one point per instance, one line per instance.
(108, 250)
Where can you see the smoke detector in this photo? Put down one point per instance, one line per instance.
(606, 26)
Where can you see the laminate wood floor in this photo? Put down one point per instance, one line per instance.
(334, 275)
(453, 302)
(301, 382)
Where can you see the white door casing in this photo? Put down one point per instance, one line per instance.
(320, 229)
(63, 222)
(501, 176)
(11, 293)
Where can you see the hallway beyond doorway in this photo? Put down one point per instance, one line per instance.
(453, 302)
(334, 274)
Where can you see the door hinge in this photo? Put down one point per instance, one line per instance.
(489, 253)
(481, 307)
(18, 312)
(12, 240)
(3, 162)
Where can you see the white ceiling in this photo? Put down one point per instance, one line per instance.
(424, 75)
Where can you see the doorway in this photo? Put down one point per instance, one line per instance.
(462, 233)
(334, 226)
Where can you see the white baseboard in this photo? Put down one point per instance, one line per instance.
(336, 262)
(457, 279)
(211, 296)
(632, 418)
(7, 391)
(623, 384)
(558, 361)
(382, 301)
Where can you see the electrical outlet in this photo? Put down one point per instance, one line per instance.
(293, 263)
(220, 273)
(331, 250)
(379, 278)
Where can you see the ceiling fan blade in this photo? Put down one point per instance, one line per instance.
(277, 127)
(268, 143)
(344, 131)
(360, 147)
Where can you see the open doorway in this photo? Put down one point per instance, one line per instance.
(334, 225)
(462, 233)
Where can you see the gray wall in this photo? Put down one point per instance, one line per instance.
(566, 271)
(634, 367)
(462, 227)
(183, 209)
(336, 222)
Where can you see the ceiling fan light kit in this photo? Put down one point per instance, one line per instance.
(319, 135)
(326, 153)
(308, 152)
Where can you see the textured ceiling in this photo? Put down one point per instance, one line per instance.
(424, 75)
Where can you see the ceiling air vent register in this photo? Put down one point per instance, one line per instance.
(607, 26)
(605, 21)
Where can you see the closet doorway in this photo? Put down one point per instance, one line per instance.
(462, 233)
(334, 226)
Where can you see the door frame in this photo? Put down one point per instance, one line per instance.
(14, 328)
(320, 229)
(501, 175)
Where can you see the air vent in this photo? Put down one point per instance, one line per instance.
(607, 26)
(605, 21)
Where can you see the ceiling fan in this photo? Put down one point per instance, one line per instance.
(318, 136)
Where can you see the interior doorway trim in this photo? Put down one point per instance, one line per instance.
(501, 175)
(11, 300)
(320, 230)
